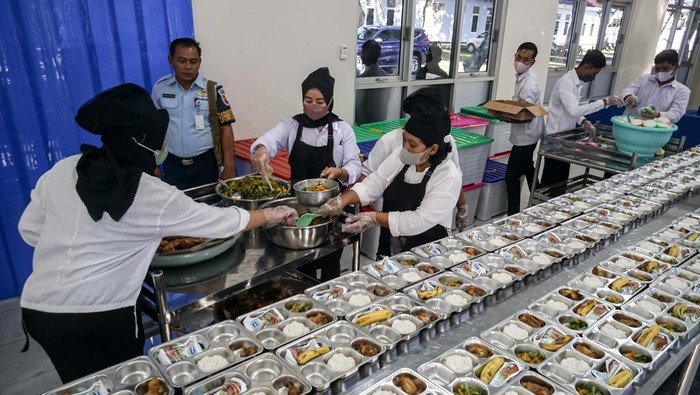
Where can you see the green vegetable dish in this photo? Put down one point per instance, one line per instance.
(254, 188)
(465, 389)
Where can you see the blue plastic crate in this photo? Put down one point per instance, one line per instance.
(366, 147)
(494, 171)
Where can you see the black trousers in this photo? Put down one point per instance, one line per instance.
(83, 343)
(186, 173)
(329, 265)
(554, 171)
(520, 164)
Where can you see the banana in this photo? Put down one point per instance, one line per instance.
(648, 335)
(620, 379)
(308, 355)
(693, 237)
(652, 265)
(619, 283)
(438, 290)
(585, 308)
(375, 316)
(679, 310)
(490, 369)
(674, 250)
(556, 345)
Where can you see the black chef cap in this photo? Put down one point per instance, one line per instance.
(123, 112)
(428, 122)
(429, 95)
(320, 79)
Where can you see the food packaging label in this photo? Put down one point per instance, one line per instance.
(384, 267)
(258, 321)
(550, 239)
(177, 352)
(610, 366)
(97, 388)
(233, 387)
(514, 253)
(331, 293)
(426, 288)
(431, 249)
(474, 236)
(472, 269)
(508, 371)
(291, 354)
(549, 336)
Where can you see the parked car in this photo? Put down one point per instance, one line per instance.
(389, 38)
(474, 42)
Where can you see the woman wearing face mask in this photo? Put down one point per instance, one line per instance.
(95, 221)
(319, 144)
(661, 90)
(420, 186)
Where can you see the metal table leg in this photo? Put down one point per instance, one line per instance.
(691, 367)
(161, 304)
(356, 247)
(535, 177)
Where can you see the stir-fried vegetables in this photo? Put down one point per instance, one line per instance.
(254, 188)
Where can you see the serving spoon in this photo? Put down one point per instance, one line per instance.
(306, 219)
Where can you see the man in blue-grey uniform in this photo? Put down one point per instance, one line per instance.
(200, 152)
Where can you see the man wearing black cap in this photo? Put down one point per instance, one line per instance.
(95, 221)
(416, 182)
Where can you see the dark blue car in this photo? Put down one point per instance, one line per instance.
(389, 38)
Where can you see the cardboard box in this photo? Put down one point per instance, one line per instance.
(514, 111)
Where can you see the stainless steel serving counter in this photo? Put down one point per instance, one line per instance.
(520, 300)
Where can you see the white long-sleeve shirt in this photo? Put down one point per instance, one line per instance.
(390, 142)
(527, 88)
(346, 153)
(82, 266)
(671, 100)
(565, 111)
(441, 193)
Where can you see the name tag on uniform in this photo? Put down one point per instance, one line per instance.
(169, 95)
(199, 122)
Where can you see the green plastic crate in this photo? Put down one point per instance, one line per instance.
(363, 134)
(385, 126)
(464, 139)
(480, 112)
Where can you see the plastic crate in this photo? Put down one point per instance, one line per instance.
(385, 126)
(493, 197)
(365, 148)
(497, 129)
(280, 163)
(473, 151)
(363, 134)
(471, 195)
(470, 124)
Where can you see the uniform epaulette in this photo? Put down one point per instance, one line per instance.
(163, 78)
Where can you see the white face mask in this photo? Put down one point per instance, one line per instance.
(410, 158)
(159, 155)
(664, 76)
(520, 67)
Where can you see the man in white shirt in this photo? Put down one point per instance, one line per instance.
(565, 110)
(523, 136)
(661, 90)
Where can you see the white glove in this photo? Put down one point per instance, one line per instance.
(588, 128)
(359, 222)
(631, 101)
(613, 100)
(280, 214)
(261, 161)
(332, 208)
(461, 219)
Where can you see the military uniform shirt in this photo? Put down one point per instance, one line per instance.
(184, 139)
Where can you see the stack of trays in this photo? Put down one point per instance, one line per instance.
(490, 238)
(450, 293)
(266, 374)
(523, 225)
(334, 357)
(134, 376)
(600, 282)
(286, 320)
(475, 365)
(191, 357)
(349, 292)
(402, 270)
(405, 381)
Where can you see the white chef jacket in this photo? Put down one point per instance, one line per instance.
(390, 142)
(564, 108)
(671, 100)
(346, 153)
(441, 193)
(83, 266)
(527, 88)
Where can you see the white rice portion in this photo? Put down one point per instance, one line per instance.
(340, 363)
(458, 363)
(295, 329)
(212, 363)
(404, 327)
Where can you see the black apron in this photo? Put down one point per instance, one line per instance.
(402, 196)
(306, 161)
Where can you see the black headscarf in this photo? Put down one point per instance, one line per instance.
(108, 177)
(320, 79)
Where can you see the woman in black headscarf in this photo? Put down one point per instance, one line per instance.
(319, 144)
(95, 221)
(418, 182)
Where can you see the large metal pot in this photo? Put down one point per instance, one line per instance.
(315, 198)
(248, 204)
(293, 237)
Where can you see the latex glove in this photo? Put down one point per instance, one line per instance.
(332, 208)
(631, 101)
(332, 173)
(588, 128)
(281, 214)
(261, 161)
(359, 222)
(462, 220)
(613, 100)
(649, 112)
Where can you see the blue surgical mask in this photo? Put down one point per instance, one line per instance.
(159, 155)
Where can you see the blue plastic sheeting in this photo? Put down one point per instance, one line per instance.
(54, 56)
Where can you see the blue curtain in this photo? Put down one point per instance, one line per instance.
(54, 56)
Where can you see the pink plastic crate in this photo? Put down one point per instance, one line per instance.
(471, 124)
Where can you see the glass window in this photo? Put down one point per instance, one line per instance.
(476, 36)
(561, 39)
(593, 15)
(612, 32)
(568, 17)
(382, 25)
(584, 29)
(432, 40)
(556, 27)
(566, 27)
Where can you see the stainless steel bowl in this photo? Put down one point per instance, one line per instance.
(293, 237)
(315, 199)
(248, 204)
